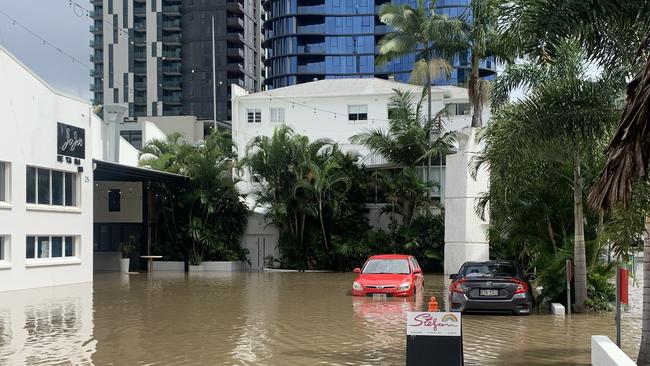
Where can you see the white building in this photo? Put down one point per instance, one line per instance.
(46, 182)
(337, 109)
(341, 108)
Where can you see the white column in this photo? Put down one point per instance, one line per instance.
(465, 232)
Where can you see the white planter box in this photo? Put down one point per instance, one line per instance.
(168, 266)
(604, 352)
(124, 265)
(225, 266)
(198, 268)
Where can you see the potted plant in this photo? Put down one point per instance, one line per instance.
(126, 249)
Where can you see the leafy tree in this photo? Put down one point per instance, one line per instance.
(208, 211)
(560, 123)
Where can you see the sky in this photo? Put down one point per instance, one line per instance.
(63, 25)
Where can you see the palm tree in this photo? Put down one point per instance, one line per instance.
(165, 154)
(537, 27)
(434, 38)
(406, 142)
(325, 184)
(276, 164)
(564, 115)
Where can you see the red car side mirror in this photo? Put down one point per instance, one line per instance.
(357, 270)
(417, 271)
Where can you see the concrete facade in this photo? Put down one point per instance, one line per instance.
(465, 231)
(155, 57)
(33, 208)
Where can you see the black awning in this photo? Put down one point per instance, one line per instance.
(106, 171)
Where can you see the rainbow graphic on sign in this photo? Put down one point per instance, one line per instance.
(449, 318)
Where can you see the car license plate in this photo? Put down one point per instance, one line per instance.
(487, 292)
(379, 296)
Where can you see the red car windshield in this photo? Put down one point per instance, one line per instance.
(395, 266)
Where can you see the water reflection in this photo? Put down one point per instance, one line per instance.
(47, 326)
(175, 318)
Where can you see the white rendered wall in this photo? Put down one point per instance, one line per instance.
(315, 123)
(465, 231)
(31, 110)
(604, 352)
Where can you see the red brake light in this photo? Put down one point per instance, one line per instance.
(522, 287)
(456, 286)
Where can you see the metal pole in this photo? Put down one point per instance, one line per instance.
(214, 81)
(618, 307)
(568, 286)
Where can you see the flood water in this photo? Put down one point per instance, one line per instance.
(267, 319)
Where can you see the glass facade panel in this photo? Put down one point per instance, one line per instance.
(69, 247)
(57, 246)
(31, 185)
(57, 188)
(30, 243)
(43, 186)
(345, 34)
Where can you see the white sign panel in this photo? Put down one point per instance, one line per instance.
(433, 324)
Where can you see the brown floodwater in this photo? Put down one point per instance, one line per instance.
(267, 319)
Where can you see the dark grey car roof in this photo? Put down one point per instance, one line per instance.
(491, 262)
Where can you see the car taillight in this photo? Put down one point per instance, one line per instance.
(522, 287)
(456, 286)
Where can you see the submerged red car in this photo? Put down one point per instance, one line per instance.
(390, 274)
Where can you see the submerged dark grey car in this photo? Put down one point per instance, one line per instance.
(491, 286)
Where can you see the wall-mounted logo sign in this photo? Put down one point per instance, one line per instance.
(433, 324)
(71, 141)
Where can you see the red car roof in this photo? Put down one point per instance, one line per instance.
(390, 256)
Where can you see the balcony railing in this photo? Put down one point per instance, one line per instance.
(314, 9)
(235, 22)
(141, 11)
(140, 85)
(171, 9)
(313, 48)
(174, 38)
(315, 28)
(173, 98)
(139, 55)
(140, 70)
(171, 54)
(171, 24)
(172, 69)
(312, 68)
(172, 84)
(236, 52)
(140, 99)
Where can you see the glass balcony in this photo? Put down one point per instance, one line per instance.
(140, 11)
(172, 10)
(172, 69)
(236, 52)
(172, 54)
(140, 85)
(140, 70)
(171, 84)
(172, 24)
(172, 98)
(314, 28)
(140, 55)
(312, 48)
(174, 38)
(315, 68)
(140, 99)
(313, 9)
(235, 22)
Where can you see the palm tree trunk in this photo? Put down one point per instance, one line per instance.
(474, 92)
(580, 261)
(322, 224)
(644, 348)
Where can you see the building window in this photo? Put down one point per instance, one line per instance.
(459, 109)
(277, 114)
(254, 115)
(4, 181)
(4, 249)
(134, 137)
(51, 187)
(358, 112)
(49, 247)
(114, 200)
